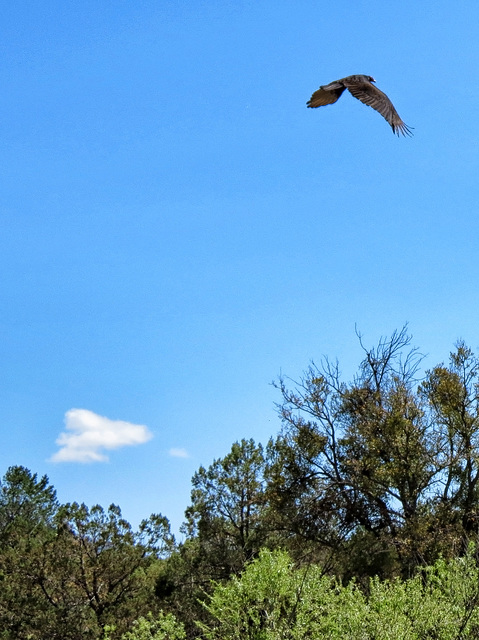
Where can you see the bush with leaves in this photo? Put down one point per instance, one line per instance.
(163, 627)
(274, 601)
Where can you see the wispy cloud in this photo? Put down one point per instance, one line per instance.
(87, 435)
(179, 453)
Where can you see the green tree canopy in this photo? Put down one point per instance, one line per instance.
(383, 464)
(227, 506)
(66, 571)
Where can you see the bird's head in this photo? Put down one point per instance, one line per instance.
(371, 79)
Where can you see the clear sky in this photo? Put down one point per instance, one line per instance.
(177, 228)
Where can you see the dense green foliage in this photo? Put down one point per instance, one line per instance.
(272, 600)
(358, 516)
(67, 571)
(162, 627)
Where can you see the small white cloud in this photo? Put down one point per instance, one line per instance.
(179, 453)
(88, 435)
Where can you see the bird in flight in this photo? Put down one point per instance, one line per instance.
(362, 88)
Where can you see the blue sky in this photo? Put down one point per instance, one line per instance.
(177, 228)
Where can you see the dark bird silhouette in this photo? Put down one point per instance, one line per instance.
(362, 88)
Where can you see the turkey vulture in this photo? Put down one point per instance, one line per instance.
(362, 88)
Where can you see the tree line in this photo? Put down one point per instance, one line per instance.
(369, 482)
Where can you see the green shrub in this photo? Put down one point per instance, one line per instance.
(272, 600)
(163, 627)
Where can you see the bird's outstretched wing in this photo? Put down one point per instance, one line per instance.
(368, 94)
(323, 96)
